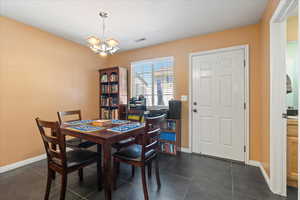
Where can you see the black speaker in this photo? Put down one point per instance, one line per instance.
(174, 109)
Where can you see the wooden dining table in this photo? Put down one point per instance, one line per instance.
(105, 138)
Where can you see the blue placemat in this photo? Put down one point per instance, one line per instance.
(78, 122)
(116, 121)
(85, 128)
(126, 127)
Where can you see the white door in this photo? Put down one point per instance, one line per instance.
(218, 91)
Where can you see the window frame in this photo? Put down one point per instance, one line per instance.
(132, 90)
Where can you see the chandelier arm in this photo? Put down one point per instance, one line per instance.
(103, 28)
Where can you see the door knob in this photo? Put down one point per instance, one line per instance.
(194, 110)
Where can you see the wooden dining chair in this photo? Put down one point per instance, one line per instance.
(143, 152)
(133, 116)
(61, 161)
(74, 142)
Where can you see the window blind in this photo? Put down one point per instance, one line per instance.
(154, 79)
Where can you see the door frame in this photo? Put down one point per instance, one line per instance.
(246, 90)
(278, 147)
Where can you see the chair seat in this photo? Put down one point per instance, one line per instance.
(80, 157)
(123, 143)
(134, 153)
(77, 143)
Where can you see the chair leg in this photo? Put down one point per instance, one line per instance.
(49, 181)
(144, 182)
(150, 169)
(132, 171)
(53, 175)
(99, 174)
(116, 164)
(64, 179)
(157, 173)
(80, 174)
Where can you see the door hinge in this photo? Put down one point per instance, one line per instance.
(244, 148)
(244, 63)
(245, 106)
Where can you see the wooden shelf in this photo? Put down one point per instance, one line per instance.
(175, 128)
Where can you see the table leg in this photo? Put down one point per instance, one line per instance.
(107, 170)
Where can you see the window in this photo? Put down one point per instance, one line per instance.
(154, 79)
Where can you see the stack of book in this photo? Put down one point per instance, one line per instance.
(113, 77)
(114, 88)
(168, 148)
(105, 89)
(104, 78)
(168, 136)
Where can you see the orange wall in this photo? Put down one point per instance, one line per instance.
(180, 49)
(292, 28)
(265, 87)
(40, 74)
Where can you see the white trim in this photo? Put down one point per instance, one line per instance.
(264, 173)
(247, 117)
(278, 141)
(185, 150)
(22, 163)
(254, 163)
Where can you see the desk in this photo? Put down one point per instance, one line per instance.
(106, 138)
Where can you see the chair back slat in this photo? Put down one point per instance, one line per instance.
(62, 115)
(150, 137)
(54, 144)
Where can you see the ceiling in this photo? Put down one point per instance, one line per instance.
(156, 20)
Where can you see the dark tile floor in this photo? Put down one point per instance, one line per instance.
(186, 177)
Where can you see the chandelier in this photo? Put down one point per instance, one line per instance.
(104, 46)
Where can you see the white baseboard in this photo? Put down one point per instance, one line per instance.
(263, 171)
(22, 163)
(254, 163)
(28, 161)
(185, 150)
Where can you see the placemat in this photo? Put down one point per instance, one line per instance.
(117, 121)
(78, 122)
(126, 127)
(85, 128)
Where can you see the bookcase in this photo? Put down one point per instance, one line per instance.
(113, 91)
(170, 136)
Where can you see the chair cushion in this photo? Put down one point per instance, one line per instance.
(79, 157)
(133, 153)
(77, 143)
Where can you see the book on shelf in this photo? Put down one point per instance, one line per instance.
(104, 78)
(109, 101)
(171, 125)
(115, 114)
(105, 114)
(114, 88)
(168, 148)
(113, 77)
(170, 136)
(105, 89)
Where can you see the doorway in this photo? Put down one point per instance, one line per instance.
(219, 103)
(283, 145)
